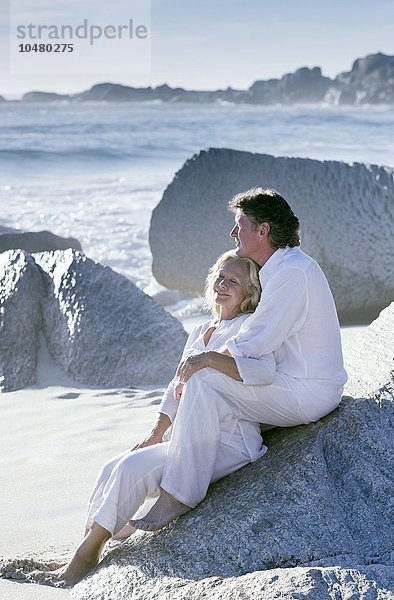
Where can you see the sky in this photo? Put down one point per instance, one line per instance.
(197, 44)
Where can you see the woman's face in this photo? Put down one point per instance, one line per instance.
(230, 286)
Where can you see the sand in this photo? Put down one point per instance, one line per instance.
(53, 439)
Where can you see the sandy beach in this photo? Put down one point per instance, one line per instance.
(53, 439)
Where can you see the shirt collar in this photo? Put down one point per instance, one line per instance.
(272, 263)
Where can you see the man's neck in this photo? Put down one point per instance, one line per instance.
(265, 255)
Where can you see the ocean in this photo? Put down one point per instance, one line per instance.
(95, 171)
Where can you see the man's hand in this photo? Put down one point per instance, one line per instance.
(191, 365)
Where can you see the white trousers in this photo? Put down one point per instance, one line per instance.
(215, 432)
(213, 405)
(131, 481)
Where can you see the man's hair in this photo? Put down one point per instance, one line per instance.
(268, 206)
(252, 296)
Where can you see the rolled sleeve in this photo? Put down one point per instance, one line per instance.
(255, 371)
(169, 404)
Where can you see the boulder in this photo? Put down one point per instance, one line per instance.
(377, 343)
(21, 289)
(312, 518)
(101, 328)
(346, 213)
(34, 241)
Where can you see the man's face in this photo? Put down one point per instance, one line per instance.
(247, 237)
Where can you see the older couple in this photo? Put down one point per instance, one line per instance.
(271, 355)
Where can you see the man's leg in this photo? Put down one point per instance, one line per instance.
(209, 403)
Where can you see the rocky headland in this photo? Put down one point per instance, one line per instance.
(346, 213)
(370, 81)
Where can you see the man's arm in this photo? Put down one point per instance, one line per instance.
(257, 371)
(211, 359)
(281, 312)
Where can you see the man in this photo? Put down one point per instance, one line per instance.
(296, 320)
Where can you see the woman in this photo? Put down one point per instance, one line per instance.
(130, 482)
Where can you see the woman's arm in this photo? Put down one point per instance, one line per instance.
(155, 436)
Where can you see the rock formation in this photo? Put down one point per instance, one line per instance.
(21, 290)
(346, 214)
(34, 241)
(371, 80)
(99, 327)
(102, 328)
(37, 96)
(303, 86)
(312, 518)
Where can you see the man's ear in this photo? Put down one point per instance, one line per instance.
(264, 230)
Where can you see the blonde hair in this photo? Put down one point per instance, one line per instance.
(252, 297)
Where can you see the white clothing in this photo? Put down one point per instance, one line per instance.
(250, 436)
(295, 320)
(132, 480)
(213, 410)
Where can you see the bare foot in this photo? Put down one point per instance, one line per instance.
(77, 568)
(125, 532)
(166, 509)
(85, 558)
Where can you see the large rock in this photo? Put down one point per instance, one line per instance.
(101, 328)
(305, 85)
(34, 241)
(21, 290)
(377, 343)
(370, 81)
(346, 213)
(312, 518)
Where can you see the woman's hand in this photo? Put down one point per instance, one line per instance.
(178, 391)
(191, 365)
(151, 439)
(160, 426)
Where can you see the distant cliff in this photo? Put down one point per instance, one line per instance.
(370, 81)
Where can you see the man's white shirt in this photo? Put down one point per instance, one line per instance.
(296, 319)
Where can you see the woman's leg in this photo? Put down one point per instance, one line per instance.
(135, 477)
(86, 556)
(96, 495)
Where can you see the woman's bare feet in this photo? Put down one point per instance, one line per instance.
(166, 509)
(85, 558)
(125, 532)
(77, 568)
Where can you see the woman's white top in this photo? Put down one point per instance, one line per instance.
(247, 434)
